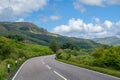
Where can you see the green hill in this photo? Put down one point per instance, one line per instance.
(108, 40)
(9, 47)
(11, 50)
(40, 36)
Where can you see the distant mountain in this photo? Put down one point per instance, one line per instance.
(113, 40)
(41, 36)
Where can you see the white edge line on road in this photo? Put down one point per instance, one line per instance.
(19, 69)
(92, 71)
(101, 73)
(48, 67)
(43, 62)
(59, 75)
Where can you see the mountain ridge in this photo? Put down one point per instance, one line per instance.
(41, 36)
(111, 40)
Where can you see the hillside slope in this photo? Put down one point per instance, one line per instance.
(11, 50)
(40, 36)
(108, 40)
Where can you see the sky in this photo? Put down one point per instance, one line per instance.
(74, 18)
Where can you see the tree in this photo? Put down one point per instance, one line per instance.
(53, 45)
(70, 46)
(16, 37)
(66, 45)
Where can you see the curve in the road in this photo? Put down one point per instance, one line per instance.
(47, 68)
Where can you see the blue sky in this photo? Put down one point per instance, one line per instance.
(76, 18)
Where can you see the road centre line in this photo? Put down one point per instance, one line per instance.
(48, 67)
(43, 62)
(60, 75)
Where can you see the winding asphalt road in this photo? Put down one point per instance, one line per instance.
(47, 68)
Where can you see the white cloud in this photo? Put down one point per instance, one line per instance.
(20, 7)
(79, 7)
(20, 20)
(116, 29)
(7, 14)
(54, 17)
(63, 28)
(108, 24)
(79, 4)
(78, 28)
(95, 19)
(118, 23)
(92, 2)
(113, 2)
(45, 18)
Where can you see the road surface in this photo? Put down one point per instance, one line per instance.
(47, 68)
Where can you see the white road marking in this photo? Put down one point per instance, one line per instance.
(48, 67)
(42, 61)
(19, 69)
(60, 75)
(99, 73)
(93, 71)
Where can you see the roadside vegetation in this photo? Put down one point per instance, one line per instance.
(105, 59)
(53, 45)
(12, 50)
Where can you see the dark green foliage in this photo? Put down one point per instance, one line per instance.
(53, 46)
(84, 44)
(68, 56)
(66, 45)
(16, 37)
(24, 28)
(5, 50)
(98, 53)
(105, 59)
(63, 55)
(106, 56)
(58, 55)
(69, 46)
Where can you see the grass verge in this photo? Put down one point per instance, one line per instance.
(99, 69)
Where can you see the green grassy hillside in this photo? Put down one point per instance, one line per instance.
(10, 50)
(40, 36)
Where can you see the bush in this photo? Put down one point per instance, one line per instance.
(108, 58)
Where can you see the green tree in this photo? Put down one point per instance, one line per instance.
(70, 46)
(16, 37)
(53, 45)
(107, 57)
(98, 52)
